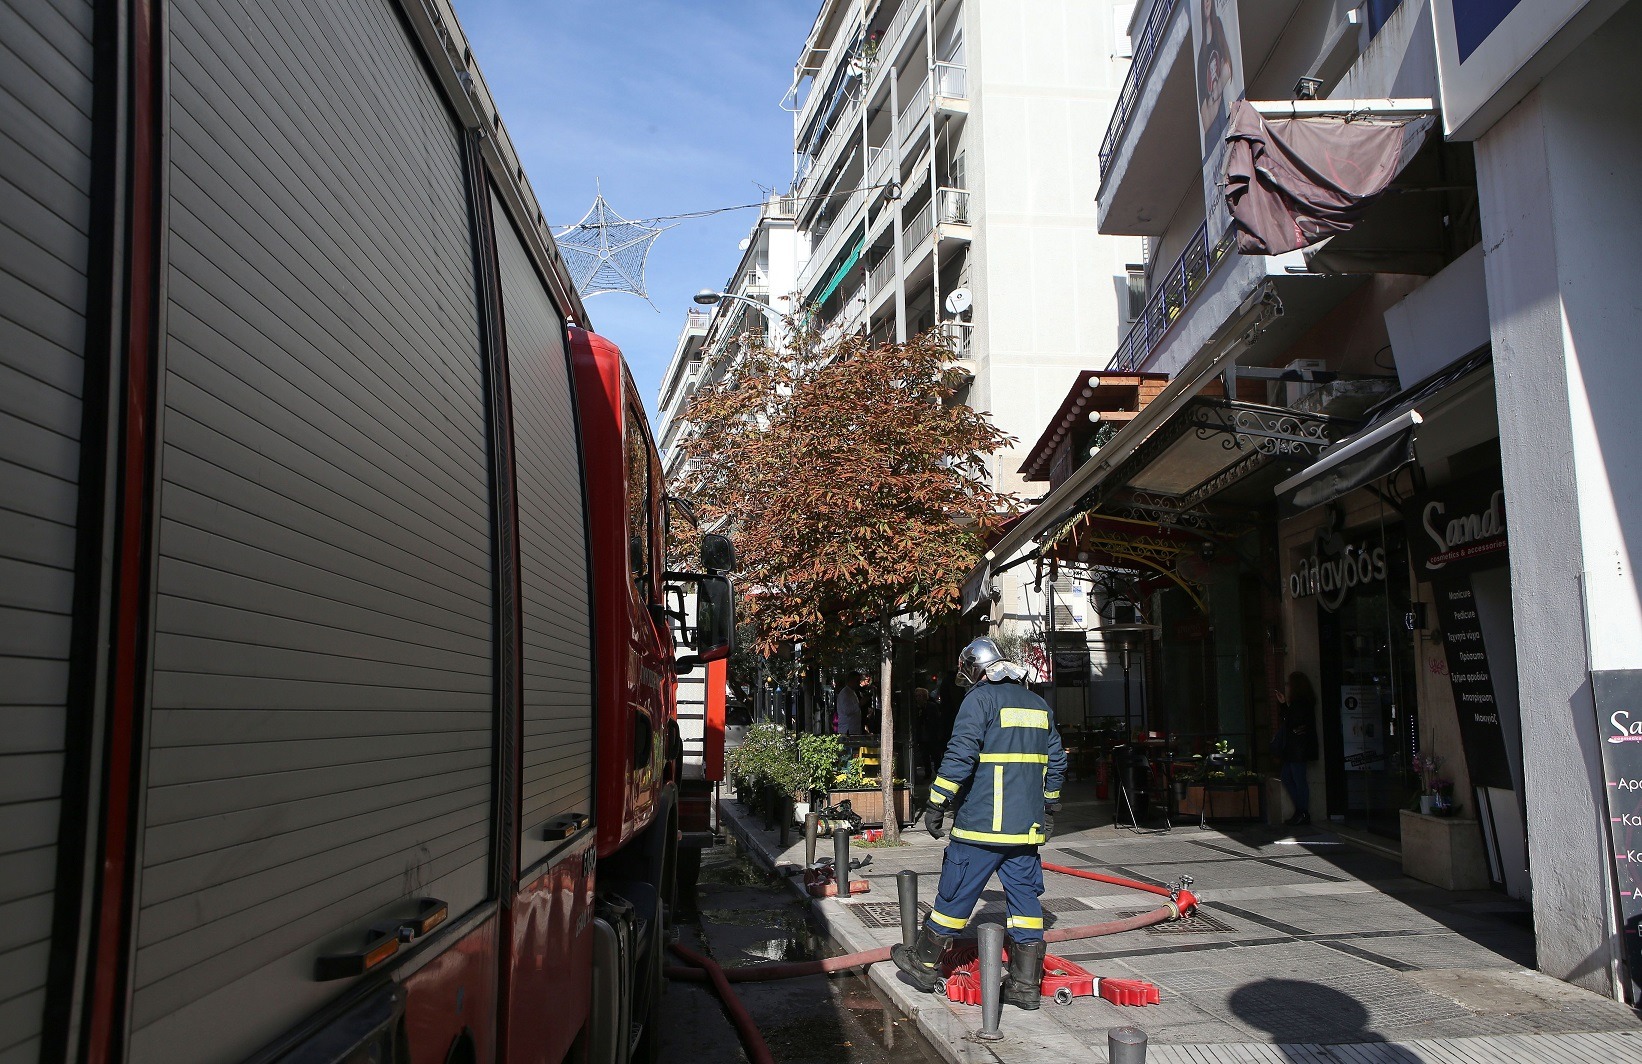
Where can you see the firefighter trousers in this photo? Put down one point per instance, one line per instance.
(965, 870)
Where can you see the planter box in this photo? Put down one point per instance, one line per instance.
(1233, 801)
(1445, 851)
(869, 805)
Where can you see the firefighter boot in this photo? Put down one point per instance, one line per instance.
(1023, 982)
(922, 961)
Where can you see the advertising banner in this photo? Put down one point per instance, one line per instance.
(1618, 696)
(1455, 532)
(1360, 713)
(1218, 61)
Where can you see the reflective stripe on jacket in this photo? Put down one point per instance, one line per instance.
(1003, 763)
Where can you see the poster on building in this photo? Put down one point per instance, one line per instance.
(1618, 695)
(1218, 61)
(1459, 530)
(1360, 725)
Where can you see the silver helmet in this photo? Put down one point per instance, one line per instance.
(982, 660)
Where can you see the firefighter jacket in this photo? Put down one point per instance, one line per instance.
(1003, 763)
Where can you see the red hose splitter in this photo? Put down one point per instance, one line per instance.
(1062, 980)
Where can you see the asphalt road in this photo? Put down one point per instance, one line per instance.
(741, 916)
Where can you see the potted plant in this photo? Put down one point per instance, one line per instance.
(1219, 790)
(818, 757)
(1428, 765)
(865, 795)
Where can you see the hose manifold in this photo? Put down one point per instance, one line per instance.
(1182, 899)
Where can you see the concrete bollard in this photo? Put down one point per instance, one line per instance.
(1126, 1045)
(990, 942)
(812, 828)
(906, 888)
(841, 857)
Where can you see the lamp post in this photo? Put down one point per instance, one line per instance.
(707, 297)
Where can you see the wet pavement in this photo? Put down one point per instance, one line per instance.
(742, 915)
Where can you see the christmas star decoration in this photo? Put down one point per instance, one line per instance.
(606, 252)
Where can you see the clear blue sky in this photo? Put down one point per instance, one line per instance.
(673, 104)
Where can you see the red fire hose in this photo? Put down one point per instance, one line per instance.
(1177, 907)
(751, 1040)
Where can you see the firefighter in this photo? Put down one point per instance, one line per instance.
(1001, 778)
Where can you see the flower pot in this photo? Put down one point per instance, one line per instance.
(868, 804)
(1427, 803)
(1223, 801)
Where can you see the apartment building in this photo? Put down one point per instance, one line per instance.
(757, 304)
(1392, 457)
(940, 184)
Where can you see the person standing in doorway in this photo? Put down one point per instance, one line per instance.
(848, 717)
(1001, 775)
(1295, 743)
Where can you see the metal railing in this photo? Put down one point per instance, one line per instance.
(1145, 50)
(952, 80)
(878, 162)
(881, 274)
(889, 45)
(912, 105)
(832, 237)
(960, 338)
(918, 230)
(954, 204)
(816, 167)
(1169, 299)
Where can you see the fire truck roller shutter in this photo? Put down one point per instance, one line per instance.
(45, 219)
(321, 728)
(557, 755)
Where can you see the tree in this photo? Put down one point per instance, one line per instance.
(857, 488)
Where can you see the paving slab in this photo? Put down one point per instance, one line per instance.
(1309, 950)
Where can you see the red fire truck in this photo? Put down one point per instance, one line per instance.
(338, 653)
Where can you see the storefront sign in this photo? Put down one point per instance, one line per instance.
(1619, 722)
(1462, 531)
(1360, 726)
(1333, 578)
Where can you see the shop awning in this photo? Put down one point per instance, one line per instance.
(1360, 460)
(1299, 172)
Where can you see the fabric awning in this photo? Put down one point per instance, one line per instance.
(1297, 178)
(838, 275)
(1354, 462)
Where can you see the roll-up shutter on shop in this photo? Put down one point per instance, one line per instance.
(557, 753)
(319, 747)
(45, 219)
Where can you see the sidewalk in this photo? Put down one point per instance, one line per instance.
(1305, 949)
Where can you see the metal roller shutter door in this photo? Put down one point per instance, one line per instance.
(45, 215)
(321, 714)
(557, 754)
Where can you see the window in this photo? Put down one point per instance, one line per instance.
(1137, 290)
(638, 500)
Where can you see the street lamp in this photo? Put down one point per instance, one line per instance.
(707, 297)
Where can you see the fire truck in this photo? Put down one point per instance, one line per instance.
(338, 654)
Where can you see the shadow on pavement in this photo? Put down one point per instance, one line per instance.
(1293, 1011)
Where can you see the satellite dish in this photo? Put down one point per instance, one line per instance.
(746, 242)
(958, 301)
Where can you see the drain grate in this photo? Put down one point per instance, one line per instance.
(883, 913)
(1199, 923)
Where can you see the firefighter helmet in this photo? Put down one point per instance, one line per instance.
(982, 659)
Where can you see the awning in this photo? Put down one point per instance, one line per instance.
(843, 269)
(1299, 172)
(1360, 460)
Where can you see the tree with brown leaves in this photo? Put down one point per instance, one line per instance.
(856, 485)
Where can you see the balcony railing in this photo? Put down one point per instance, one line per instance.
(960, 338)
(831, 239)
(951, 80)
(954, 203)
(918, 230)
(878, 160)
(1174, 291)
(890, 43)
(912, 105)
(1145, 50)
(881, 275)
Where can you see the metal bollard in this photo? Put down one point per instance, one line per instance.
(906, 887)
(841, 857)
(991, 948)
(812, 828)
(1126, 1045)
(783, 812)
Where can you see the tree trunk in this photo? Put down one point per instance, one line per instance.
(886, 734)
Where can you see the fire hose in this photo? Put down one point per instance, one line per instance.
(1181, 903)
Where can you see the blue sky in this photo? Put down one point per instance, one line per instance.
(673, 104)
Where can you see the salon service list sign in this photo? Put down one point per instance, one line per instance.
(1619, 723)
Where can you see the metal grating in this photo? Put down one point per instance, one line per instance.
(1198, 923)
(883, 913)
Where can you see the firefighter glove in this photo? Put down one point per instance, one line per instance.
(1049, 811)
(933, 816)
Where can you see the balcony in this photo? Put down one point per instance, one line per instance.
(959, 337)
(830, 240)
(815, 169)
(913, 109)
(881, 275)
(894, 40)
(1170, 296)
(1140, 65)
(917, 231)
(954, 205)
(951, 88)
(879, 161)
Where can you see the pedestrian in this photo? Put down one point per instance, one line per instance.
(1295, 743)
(847, 720)
(1001, 780)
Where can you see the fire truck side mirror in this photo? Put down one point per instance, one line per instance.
(717, 553)
(715, 618)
